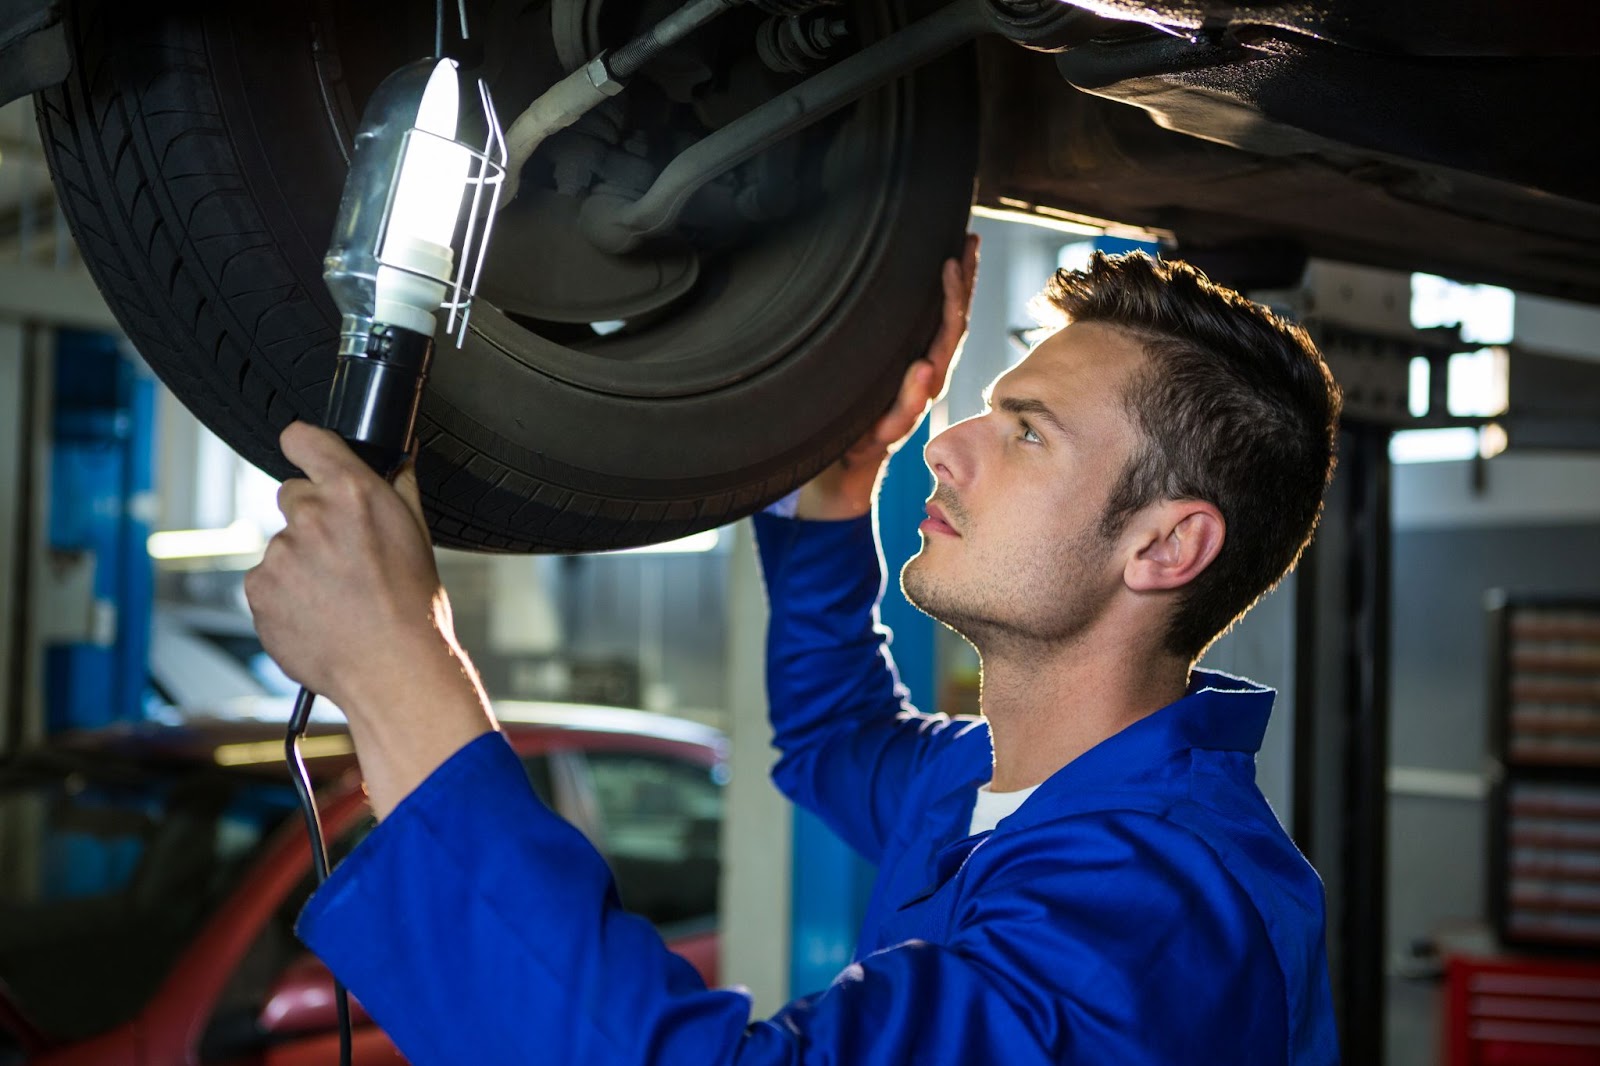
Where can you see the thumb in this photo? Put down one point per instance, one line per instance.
(405, 483)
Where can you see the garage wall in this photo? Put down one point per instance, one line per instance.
(1440, 702)
(1534, 528)
(645, 630)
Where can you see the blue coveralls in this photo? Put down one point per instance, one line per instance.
(1142, 906)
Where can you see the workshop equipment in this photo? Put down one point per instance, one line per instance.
(403, 248)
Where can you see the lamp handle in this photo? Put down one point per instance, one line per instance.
(376, 394)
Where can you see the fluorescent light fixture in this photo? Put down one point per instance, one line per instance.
(1453, 445)
(1419, 387)
(1434, 445)
(1480, 382)
(1485, 313)
(254, 753)
(1026, 214)
(237, 538)
(1052, 218)
(695, 542)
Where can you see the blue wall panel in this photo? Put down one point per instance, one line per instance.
(103, 431)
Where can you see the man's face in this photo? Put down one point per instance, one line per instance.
(1013, 547)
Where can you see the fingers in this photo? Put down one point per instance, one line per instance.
(957, 279)
(293, 494)
(845, 489)
(915, 392)
(954, 324)
(916, 389)
(324, 457)
(321, 453)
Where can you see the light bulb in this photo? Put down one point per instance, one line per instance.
(422, 217)
(434, 171)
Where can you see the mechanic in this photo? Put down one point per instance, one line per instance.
(1086, 874)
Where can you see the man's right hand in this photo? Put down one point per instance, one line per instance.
(846, 488)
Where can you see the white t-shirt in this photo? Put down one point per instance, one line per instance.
(993, 806)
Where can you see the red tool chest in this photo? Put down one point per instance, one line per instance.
(1521, 1012)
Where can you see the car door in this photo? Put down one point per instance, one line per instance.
(658, 824)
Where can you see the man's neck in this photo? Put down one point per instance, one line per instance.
(1047, 706)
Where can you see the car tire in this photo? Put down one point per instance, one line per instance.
(197, 153)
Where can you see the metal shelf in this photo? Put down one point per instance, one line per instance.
(1545, 743)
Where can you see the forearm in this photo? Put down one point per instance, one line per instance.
(850, 739)
(476, 926)
(827, 660)
(411, 708)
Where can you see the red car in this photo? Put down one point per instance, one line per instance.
(150, 877)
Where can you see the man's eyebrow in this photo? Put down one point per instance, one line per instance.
(1024, 405)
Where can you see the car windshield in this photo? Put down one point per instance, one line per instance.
(108, 871)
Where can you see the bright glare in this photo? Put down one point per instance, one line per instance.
(1492, 440)
(1420, 384)
(1025, 214)
(695, 542)
(1075, 256)
(247, 753)
(1484, 312)
(237, 538)
(1433, 445)
(1480, 382)
(434, 173)
(1456, 444)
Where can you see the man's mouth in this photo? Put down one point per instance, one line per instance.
(936, 522)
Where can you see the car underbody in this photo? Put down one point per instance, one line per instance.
(704, 257)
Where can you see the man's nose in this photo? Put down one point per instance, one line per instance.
(944, 455)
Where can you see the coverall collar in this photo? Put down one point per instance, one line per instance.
(1219, 712)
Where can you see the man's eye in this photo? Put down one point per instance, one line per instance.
(1030, 436)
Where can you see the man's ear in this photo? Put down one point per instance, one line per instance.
(1181, 538)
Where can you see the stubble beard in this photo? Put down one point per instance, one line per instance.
(1008, 604)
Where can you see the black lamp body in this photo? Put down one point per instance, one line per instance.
(376, 394)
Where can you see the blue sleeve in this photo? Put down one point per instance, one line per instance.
(476, 926)
(849, 738)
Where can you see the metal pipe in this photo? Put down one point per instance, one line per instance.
(617, 225)
(556, 108)
(596, 81)
(628, 60)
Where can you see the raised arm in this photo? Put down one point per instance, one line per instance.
(850, 739)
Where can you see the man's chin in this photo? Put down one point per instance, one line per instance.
(923, 592)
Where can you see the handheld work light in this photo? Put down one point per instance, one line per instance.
(409, 241)
(413, 227)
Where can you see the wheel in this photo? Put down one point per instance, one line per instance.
(599, 401)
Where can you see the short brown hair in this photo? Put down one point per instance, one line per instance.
(1235, 406)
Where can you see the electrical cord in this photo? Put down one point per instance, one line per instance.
(319, 850)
